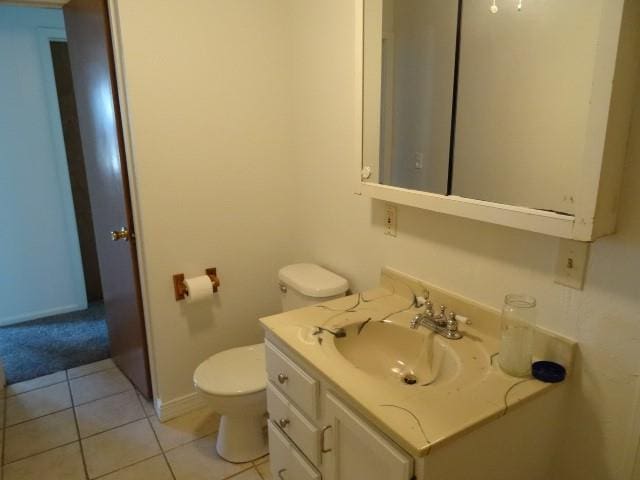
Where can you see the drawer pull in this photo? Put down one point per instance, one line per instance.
(322, 432)
(282, 378)
(280, 472)
(283, 422)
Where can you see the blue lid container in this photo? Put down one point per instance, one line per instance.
(549, 372)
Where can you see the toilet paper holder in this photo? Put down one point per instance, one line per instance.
(180, 289)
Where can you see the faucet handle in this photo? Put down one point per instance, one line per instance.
(459, 318)
(429, 307)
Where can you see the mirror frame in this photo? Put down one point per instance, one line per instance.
(605, 142)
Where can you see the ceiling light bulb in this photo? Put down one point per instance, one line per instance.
(494, 7)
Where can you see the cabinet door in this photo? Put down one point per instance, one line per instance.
(358, 452)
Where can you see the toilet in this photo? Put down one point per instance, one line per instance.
(233, 382)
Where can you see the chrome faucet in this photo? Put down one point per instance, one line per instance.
(442, 323)
(439, 319)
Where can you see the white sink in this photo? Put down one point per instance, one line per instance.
(396, 353)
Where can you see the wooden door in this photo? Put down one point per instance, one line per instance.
(93, 72)
(359, 452)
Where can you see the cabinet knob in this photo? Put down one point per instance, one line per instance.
(283, 422)
(282, 378)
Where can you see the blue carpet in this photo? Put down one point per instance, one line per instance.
(39, 347)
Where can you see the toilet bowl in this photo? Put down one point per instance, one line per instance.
(233, 382)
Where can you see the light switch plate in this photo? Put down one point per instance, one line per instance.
(571, 263)
(418, 158)
(390, 220)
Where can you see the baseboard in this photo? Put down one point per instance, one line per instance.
(41, 314)
(178, 406)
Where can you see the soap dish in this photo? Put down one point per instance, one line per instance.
(549, 372)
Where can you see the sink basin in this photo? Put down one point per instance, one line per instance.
(396, 353)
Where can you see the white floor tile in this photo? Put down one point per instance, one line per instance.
(39, 382)
(91, 368)
(251, 474)
(155, 468)
(186, 428)
(37, 403)
(98, 385)
(264, 469)
(119, 448)
(39, 435)
(147, 405)
(110, 412)
(199, 461)
(63, 463)
(119, 443)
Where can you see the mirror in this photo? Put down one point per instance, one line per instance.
(524, 94)
(409, 48)
(518, 96)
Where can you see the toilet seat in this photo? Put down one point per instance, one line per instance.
(238, 371)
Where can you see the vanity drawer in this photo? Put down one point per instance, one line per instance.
(304, 434)
(286, 462)
(292, 381)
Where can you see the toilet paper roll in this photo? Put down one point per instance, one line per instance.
(198, 288)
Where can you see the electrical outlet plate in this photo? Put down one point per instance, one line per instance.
(390, 220)
(571, 263)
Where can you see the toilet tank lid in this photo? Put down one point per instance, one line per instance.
(312, 280)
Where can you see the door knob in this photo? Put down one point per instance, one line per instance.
(122, 234)
(283, 422)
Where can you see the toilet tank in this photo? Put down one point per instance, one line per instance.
(304, 284)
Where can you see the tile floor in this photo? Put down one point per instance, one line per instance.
(89, 422)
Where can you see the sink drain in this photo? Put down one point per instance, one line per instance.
(410, 379)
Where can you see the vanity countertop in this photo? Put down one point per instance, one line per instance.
(417, 417)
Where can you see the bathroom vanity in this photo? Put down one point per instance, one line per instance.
(354, 393)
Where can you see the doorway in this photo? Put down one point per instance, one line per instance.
(51, 314)
(73, 295)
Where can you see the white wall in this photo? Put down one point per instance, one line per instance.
(208, 101)
(40, 264)
(345, 232)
